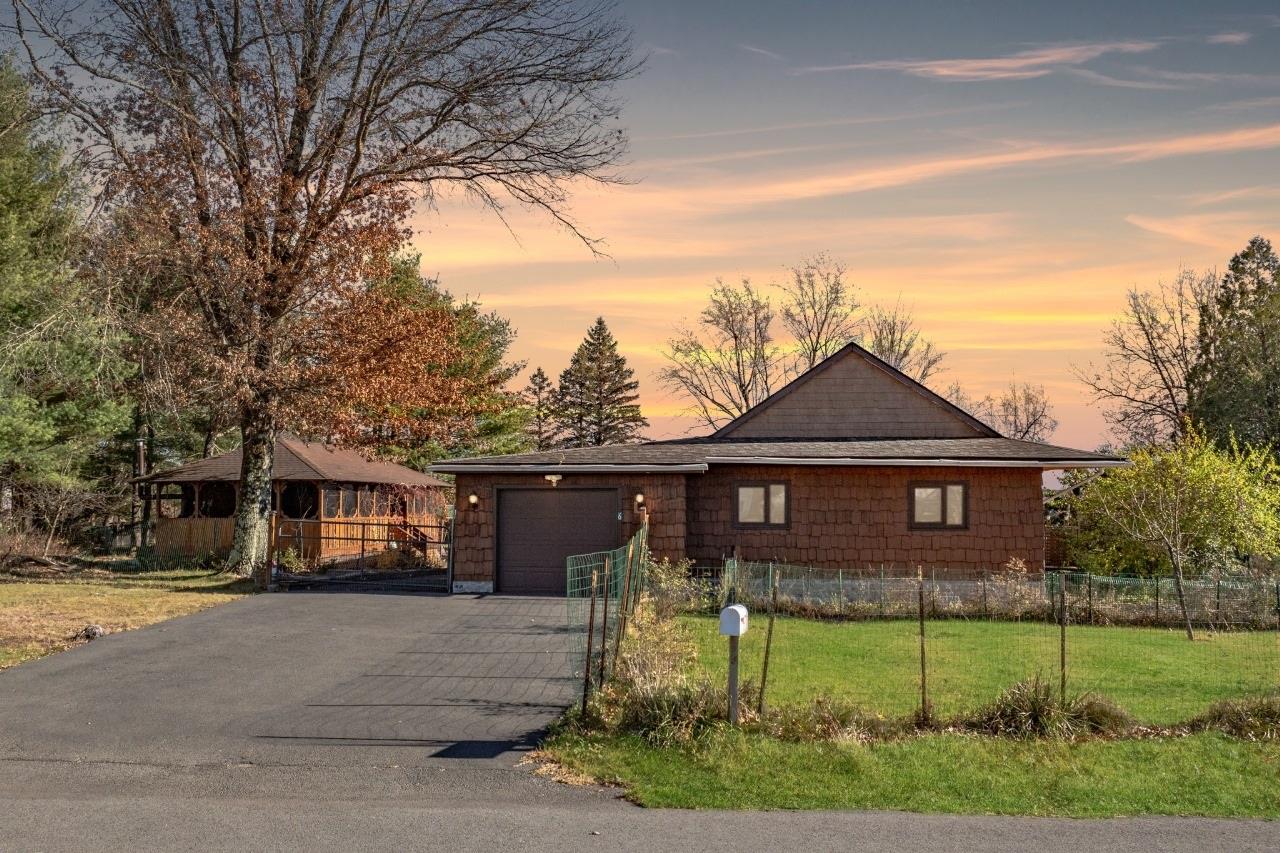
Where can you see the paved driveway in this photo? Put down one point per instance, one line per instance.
(314, 678)
(353, 722)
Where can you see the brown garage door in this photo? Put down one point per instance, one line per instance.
(539, 528)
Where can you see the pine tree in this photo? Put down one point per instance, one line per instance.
(541, 397)
(1235, 381)
(596, 404)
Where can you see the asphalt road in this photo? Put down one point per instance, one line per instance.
(354, 722)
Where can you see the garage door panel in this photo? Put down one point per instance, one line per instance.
(539, 528)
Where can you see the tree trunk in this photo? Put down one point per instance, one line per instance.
(1182, 599)
(253, 512)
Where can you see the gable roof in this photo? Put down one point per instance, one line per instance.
(296, 459)
(693, 455)
(852, 394)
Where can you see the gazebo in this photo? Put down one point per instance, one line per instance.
(328, 503)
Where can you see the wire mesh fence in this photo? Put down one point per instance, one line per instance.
(948, 642)
(602, 591)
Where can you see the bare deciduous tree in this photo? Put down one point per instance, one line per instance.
(1021, 411)
(818, 310)
(1149, 353)
(730, 362)
(892, 336)
(268, 154)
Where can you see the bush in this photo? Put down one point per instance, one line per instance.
(1252, 719)
(1031, 709)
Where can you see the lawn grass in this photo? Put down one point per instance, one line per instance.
(1154, 673)
(41, 617)
(1206, 774)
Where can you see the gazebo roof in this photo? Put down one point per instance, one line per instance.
(296, 459)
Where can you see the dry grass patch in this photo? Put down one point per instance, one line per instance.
(39, 618)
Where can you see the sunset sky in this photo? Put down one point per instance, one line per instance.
(1008, 170)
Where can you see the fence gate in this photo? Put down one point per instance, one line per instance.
(381, 555)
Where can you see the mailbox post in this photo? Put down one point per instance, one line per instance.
(733, 624)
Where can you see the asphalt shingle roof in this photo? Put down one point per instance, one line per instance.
(296, 459)
(704, 451)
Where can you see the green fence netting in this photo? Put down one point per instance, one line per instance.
(602, 590)
(857, 634)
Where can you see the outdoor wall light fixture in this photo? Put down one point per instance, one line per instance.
(639, 500)
(473, 499)
(553, 479)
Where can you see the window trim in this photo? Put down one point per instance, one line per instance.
(912, 524)
(765, 525)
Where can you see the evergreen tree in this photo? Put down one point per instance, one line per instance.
(541, 397)
(59, 349)
(596, 404)
(1235, 381)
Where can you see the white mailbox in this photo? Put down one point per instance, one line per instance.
(733, 621)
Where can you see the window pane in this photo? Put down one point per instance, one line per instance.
(778, 503)
(348, 502)
(332, 503)
(751, 504)
(955, 505)
(927, 505)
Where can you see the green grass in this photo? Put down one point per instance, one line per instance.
(1199, 775)
(1156, 674)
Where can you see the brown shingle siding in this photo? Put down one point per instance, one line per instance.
(854, 517)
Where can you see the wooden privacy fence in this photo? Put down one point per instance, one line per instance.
(602, 592)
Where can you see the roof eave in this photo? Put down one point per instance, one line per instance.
(937, 462)
(565, 468)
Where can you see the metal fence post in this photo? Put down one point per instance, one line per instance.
(882, 608)
(1090, 577)
(925, 714)
(768, 647)
(591, 633)
(625, 605)
(985, 612)
(1062, 640)
(604, 615)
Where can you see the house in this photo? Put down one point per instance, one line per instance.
(329, 503)
(852, 464)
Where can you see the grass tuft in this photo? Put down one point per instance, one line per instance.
(1033, 708)
(1250, 719)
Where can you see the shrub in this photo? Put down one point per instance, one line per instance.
(1252, 719)
(1033, 708)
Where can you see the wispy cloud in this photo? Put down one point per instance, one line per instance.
(1248, 104)
(849, 121)
(1023, 65)
(1122, 83)
(1239, 194)
(1230, 38)
(760, 51)
(658, 50)
(1222, 231)
(1206, 77)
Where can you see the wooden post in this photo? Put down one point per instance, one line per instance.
(768, 646)
(604, 616)
(591, 633)
(1062, 639)
(925, 713)
(362, 535)
(733, 681)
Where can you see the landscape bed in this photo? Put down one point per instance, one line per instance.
(38, 617)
